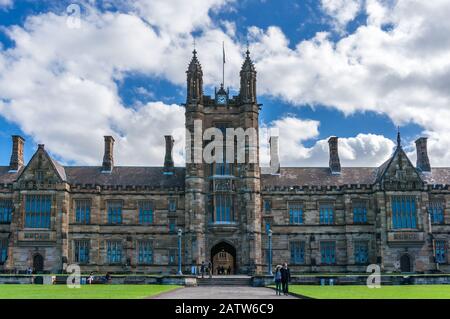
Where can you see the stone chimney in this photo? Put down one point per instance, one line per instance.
(168, 159)
(108, 158)
(335, 164)
(423, 163)
(274, 155)
(16, 162)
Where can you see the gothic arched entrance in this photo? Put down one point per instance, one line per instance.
(38, 263)
(223, 258)
(405, 263)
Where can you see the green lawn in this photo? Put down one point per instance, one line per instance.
(85, 292)
(362, 292)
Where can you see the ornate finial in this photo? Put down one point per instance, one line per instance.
(195, 51)
(399, 140)
(248, 49)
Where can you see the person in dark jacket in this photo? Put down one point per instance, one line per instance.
(285, 278)
(203, 269)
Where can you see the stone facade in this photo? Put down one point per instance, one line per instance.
(226, 208)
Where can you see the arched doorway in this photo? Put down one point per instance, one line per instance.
(223, 257)
(38, 263)
(405, 263)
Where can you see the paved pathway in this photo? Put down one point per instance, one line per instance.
(222, 292)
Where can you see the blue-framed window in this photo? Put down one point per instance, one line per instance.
(38, 211)
(328, 252)
(83, 211)
(361, 252)
(172, 205)
(359, 212)
(3, 250)
(295, 213)
(267, 206)
(172, 225)
(172, 256)
(82, 251)
(297, 252)
(145, 252)
(114, 252)
(223, 208)
(403, 212)
(441, 251)
(145, 212)
(326, 214)
(115, 212)
(223, 168)
(6, 208)
(267, 226)
(436, 210)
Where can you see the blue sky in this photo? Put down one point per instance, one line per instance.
(322, 71)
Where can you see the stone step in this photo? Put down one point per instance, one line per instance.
(224, 282)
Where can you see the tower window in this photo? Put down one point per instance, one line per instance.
(223, 208)
(267, 206)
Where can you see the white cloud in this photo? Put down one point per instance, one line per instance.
(361, 150)
(398, 64)
(69, 76)
(341, 11)
(68, 96)
(6, 3)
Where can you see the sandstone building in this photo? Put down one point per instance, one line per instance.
(126, 219)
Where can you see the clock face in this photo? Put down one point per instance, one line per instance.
(221, 99)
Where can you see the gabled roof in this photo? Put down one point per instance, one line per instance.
(58, 168)
(381, 172)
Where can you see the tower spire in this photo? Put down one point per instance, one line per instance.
(399, 139)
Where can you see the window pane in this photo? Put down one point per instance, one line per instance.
(403, 212)
(37, 211)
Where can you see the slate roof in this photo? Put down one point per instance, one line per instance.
(125, 175)
(318, 176)
(437, 176)
(6, 177)
(289, 176)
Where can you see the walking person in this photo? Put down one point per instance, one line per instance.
(285, 278)
(210, 269)
(277, 278)
(202, 269)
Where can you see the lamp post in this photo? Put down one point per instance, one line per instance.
(179, 251)
(269, 272)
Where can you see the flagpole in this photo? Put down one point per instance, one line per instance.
(223, 64)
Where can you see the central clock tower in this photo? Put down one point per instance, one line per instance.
(223, 213)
